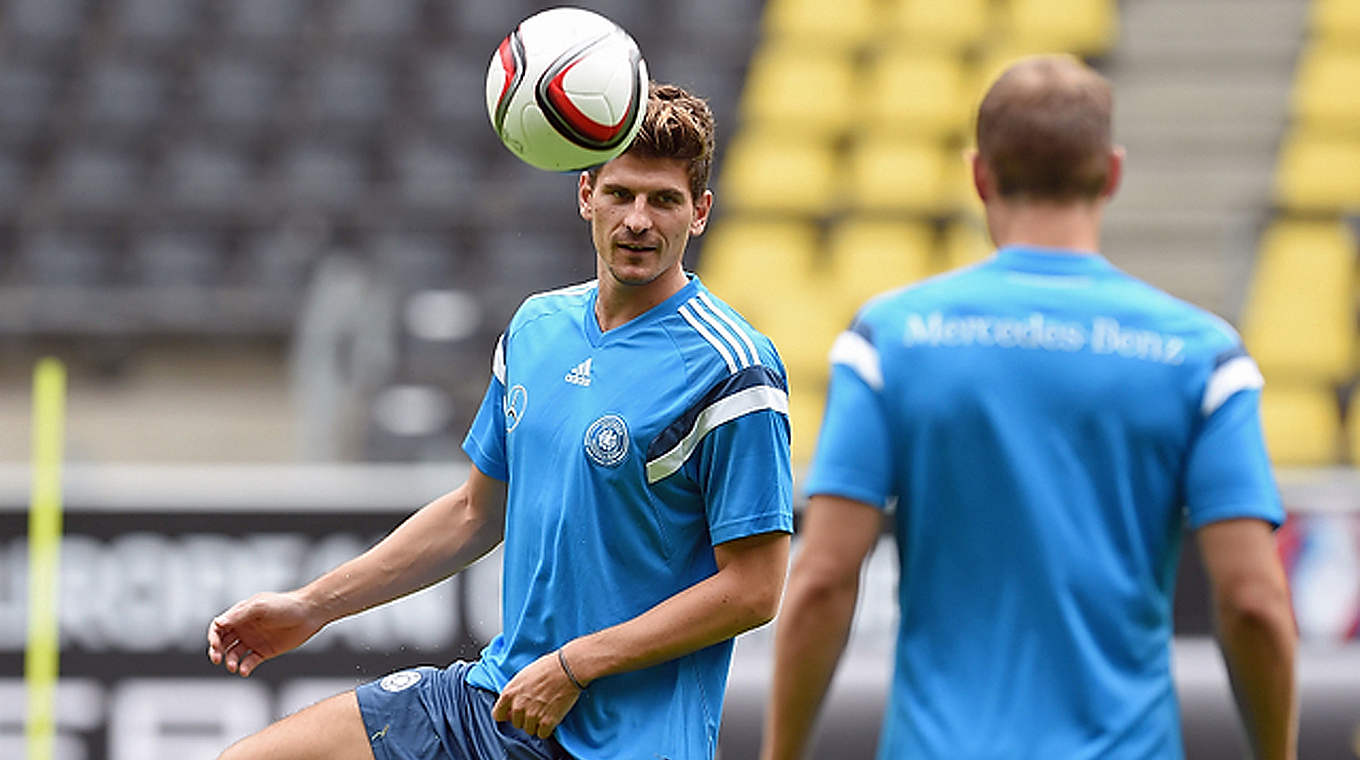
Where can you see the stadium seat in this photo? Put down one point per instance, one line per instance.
(431, 178)
(176, 258)
(777, 174)
(441, 87)
(376, 24)
(745, 260)
(1083, 27)
(1318, 174)
(914, 93)
(122, 98)
(780, 83)
(96, 181)
(43, 27)
(807, 399)
(1325, 98)
(1335, 20)
(346, 96)
(156, 25)
(1299, 318)
(899, 176)
(870, 256)
(13, 186)
(1302, 424)
(954, 26)
(203, 179)
(322, 177)
(65, 257)
(272, 24)
(234, 95)
(30, 94)
(802, 322)
(966, 243)
(812, 24)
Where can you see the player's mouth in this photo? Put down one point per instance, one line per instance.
(635, 247)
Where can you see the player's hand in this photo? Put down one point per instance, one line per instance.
(537, 698)
(258, 628)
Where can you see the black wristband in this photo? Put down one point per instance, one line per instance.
(562, 660)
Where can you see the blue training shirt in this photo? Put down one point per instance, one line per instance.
(1047, 425)
(629, 455)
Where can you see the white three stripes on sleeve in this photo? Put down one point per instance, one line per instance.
(498, 360)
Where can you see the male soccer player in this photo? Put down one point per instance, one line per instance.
(632, 452)
(1046, 425)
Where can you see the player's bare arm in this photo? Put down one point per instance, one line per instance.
(1255, 630)
(743, 594)
(837, 534)
(437, 541)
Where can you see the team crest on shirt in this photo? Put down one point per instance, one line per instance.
(400, 680)
(607, 441)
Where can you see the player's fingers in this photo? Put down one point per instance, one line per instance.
(545, 729)
(501, 710)
(530, 725)
(215, 635)
(251, 661)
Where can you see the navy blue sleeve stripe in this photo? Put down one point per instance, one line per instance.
(757, 374)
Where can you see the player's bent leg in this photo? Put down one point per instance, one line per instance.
(331, 729)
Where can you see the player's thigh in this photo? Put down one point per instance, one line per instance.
(331, 729)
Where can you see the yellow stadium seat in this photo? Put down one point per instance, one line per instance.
(842, 25)
(1083, 27)
(745, 261)
(802, 322)
(807, 399)
(1318, 174)
(1326, 93)
(1299, 319)
(804, 92)
(966, 243)
(900, 176)
(910, 93)
(1337, 20)
(772, 173)
(952, 25)
(1302, 424)
(870, 256)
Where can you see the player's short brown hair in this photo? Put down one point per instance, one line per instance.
(677, 125)
(1043, 129)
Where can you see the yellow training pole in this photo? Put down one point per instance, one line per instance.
(44, 551)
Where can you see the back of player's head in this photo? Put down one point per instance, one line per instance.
(678, 125)
(1043, 130)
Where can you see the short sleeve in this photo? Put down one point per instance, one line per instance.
(485, 440)
(1228, 472)
(743, 470)
(854, 457)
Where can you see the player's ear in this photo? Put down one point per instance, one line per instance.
(584, 188)
(982, 177)
(702, 205)
(1114, 173)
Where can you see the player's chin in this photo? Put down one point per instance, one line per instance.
(633, 268)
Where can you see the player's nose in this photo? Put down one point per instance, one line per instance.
(637, 218)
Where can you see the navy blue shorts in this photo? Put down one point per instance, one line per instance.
(431, 713)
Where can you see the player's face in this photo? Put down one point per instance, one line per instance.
(641, 215)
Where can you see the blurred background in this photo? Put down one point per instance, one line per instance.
(274, 241)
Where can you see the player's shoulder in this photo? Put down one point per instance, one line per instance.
(715, 340)
(1171, 314)
(569, 300)
(945, 288)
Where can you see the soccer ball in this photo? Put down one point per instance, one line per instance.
(567, 89)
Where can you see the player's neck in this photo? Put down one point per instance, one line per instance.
(619, 303)
(1064, 226)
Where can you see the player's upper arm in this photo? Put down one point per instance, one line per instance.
(836, 535)
(1244, 569)
(485, 495)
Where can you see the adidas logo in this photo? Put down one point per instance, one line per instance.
(580, 374)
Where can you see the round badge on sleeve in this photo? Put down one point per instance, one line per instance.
(607, 441)
(400, 681)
